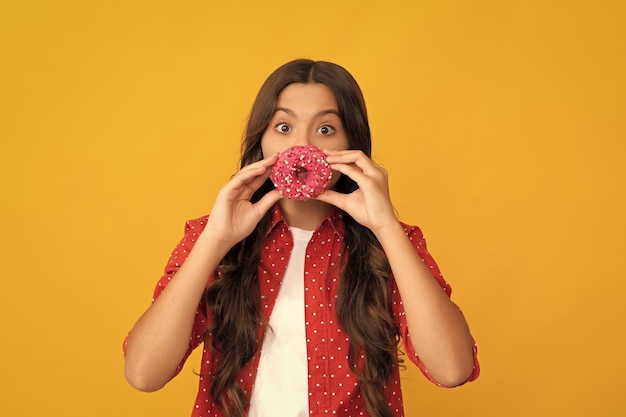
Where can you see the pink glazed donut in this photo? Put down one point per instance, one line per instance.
(301, 172)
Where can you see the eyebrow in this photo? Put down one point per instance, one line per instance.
(293, 114)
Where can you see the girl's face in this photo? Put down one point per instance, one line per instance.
(306, 114)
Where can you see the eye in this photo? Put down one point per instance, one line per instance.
(282, 128)
(326, 130)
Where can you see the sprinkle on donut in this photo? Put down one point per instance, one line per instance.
(301, 172)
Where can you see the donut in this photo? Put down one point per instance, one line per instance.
(301, 172)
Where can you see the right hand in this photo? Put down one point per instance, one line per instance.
(233, 216)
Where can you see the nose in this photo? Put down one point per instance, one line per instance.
(302, 138)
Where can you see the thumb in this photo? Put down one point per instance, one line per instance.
(268, 200)
(333, 197)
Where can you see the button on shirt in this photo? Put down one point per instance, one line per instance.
(332, 388)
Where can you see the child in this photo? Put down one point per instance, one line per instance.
(301, 304)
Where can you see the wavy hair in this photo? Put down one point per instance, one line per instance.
(363, 296)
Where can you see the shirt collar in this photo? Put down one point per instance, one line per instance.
(333, 219)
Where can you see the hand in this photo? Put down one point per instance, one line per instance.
(370, 204)
(233, 216)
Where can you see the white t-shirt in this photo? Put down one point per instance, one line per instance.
(281, 385)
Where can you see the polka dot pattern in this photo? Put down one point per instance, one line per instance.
(333, 389)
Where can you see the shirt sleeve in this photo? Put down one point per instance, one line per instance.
(419, 243)
(193, 228)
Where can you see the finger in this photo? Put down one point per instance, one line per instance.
(244, 184)
(340, 152)
(241, 185)
(333, 197)
(354, 153)
(259, 180)
(355, 173)
(267, 201)
(265, 163)
(354, 157)
(246, 191)
(254, 174)
(268, 161)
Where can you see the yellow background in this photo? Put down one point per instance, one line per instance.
(501, 123)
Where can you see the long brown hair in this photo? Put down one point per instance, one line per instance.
(363, 294)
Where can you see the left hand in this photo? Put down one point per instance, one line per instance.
(370, 204)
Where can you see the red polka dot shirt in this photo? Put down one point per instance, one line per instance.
(333, 389)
